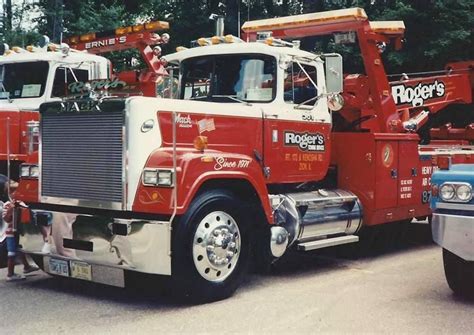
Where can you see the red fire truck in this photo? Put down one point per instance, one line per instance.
(260, 153)
(49, 72)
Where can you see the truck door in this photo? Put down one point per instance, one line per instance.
(297, 127)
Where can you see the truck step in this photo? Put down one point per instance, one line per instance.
(329, 242)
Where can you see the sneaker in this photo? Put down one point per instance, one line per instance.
(46, 248)
(31, 268)
(15, 277)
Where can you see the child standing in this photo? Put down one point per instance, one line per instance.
(11, 237)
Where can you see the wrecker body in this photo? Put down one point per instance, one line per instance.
(256, 156)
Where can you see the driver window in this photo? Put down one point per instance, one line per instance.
(298, 88)
(63, 77)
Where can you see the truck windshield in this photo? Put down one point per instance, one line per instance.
(229, 78)
(23, 80)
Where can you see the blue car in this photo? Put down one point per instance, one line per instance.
(453, 224)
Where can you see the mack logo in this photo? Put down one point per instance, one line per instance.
(184, 121)
(305, 141)
(417, 95)
(106, 42)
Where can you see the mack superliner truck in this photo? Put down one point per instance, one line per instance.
(267, 148)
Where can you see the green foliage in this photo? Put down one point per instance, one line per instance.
(437, 31)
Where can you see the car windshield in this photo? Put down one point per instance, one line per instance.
(229, 78)
(23, 80)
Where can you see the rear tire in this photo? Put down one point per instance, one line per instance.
(459, 274)
(211, 247)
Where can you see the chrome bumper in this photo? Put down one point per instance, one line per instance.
(454, 233)
(131, 244)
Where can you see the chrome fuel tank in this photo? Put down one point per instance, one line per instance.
(309, 216)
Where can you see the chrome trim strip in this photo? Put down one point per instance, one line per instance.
(82, 203)
(454, 206)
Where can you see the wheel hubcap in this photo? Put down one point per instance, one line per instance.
(216, 246)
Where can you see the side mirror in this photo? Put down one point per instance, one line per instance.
(334, 74)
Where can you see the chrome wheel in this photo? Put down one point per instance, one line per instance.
(216, 246)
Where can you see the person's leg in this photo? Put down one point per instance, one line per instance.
(11, 249)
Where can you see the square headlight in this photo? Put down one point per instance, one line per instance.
(150, 177)
(34, 171)
(165, 178)
(25, 171)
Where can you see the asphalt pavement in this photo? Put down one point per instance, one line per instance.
(402, 290)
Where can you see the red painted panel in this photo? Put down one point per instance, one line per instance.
(386, 171)
(296, 151)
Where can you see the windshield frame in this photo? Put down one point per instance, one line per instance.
(43, 89)
(258, 56)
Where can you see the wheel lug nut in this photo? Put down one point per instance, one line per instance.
(231, 245)
(210, 248)
(217, 232)
(230, 254)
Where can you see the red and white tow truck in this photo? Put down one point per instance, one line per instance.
(258, 154)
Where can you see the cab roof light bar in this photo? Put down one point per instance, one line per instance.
(304, 20)
(145, 27)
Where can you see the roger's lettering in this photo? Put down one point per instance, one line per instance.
(305, 141)
(417, 95)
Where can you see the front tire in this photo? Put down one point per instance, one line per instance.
(459, 274)
(211, 247)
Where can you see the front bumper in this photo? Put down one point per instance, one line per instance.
(454, 233)
(110, 246)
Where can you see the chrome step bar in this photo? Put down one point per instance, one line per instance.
(329, 242)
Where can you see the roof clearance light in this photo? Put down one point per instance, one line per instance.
(216, 40)
(181, 48)
(30, 48)
(123, 30)
(74, 40)
(203, 41)
(137, 28)
(157, 25)
(231, 39)
(87, 37)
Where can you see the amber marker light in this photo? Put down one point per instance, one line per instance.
(155, 25)
(200, 143)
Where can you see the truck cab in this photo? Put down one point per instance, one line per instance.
(249, 117)
(28, 79)
(453, 224)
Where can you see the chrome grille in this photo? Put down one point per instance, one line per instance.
(82, 156)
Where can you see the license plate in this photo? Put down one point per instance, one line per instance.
(58, 267)
(81, 270)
